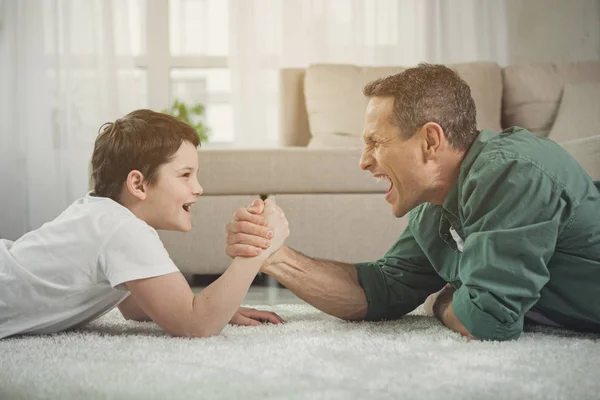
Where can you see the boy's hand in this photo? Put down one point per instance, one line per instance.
(278, 223)
(248, 233)
(252, 317)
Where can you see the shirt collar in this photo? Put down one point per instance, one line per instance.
(450, 208)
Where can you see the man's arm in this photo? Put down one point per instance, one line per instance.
(384, 289)
(511, 226)
(330, 286)
(442, 310)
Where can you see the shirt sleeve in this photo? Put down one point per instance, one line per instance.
(134, 251)
(512, 212)
(400, 281)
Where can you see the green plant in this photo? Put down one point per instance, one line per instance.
(191, 115)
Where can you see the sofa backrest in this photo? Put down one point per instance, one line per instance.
(323, 105)
(532, 93)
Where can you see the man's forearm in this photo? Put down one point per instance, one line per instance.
(330, 286)
(442, 310)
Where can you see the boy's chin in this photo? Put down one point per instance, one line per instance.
(173, 227)
(185, 229)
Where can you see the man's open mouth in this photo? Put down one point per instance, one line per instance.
(383, 177)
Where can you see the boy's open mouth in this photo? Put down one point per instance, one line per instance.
(187, 206)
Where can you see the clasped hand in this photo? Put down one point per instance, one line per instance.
(261, 228)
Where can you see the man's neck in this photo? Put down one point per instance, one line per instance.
(446, 178)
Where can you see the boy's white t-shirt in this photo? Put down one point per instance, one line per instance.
(72, 269)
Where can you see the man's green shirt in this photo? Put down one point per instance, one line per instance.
(518, 233)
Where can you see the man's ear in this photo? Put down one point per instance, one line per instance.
(136, 184)
(433, 137)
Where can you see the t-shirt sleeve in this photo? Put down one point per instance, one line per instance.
(133, 251)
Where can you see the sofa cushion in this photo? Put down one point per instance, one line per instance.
(532, 92)
(336, 105)
(284, 170)
(342, 227)
(587, 153)
(577, 125)
(578, 114)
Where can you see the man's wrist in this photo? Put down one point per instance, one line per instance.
(273, 259)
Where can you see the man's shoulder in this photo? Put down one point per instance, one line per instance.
(517, 147)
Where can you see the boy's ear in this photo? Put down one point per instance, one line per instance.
(136, 184)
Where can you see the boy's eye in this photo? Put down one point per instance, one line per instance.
(187, 175)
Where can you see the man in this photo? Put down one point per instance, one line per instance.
(510, 221)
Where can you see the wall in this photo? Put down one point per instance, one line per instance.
(553, 30)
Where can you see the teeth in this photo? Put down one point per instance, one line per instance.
(381, 178)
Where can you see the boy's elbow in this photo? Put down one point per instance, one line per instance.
(195, 332)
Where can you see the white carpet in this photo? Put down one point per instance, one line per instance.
(313, 356)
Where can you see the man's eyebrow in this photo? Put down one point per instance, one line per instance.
(371, 137)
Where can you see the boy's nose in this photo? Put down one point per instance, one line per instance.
(198, 190)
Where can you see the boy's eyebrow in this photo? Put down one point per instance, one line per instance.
(184, 168)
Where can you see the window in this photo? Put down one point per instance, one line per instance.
(183, 49)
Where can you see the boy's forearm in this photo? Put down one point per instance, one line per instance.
(214, 306)
(330, 286)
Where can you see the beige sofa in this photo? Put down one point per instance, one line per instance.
(335, 210)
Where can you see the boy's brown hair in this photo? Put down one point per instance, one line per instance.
(430, 93)
(142, 140)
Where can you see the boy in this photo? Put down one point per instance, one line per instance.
(103, 250)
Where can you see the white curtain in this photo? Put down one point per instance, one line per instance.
(66, 67)
(266, 35)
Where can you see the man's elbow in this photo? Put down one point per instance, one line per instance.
(354, 316)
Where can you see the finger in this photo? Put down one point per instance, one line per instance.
(249, 229)
(256, 207)
(245, 321)
(264, 315)
(242, 238)
(281, 211)
(270, 203)
(281, 320)
(242, 250)
(243, 214)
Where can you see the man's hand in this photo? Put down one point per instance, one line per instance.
(252, 317)
(437, 303)
(429, 302)
(442, 310)
(247, 232)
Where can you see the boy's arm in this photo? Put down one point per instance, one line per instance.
(131, 310)
(169, 301)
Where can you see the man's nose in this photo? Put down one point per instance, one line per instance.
(366, 161)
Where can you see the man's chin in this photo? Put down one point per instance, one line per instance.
(398, 211)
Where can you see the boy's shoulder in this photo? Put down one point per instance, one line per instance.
(97, 209)
(96, 218)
